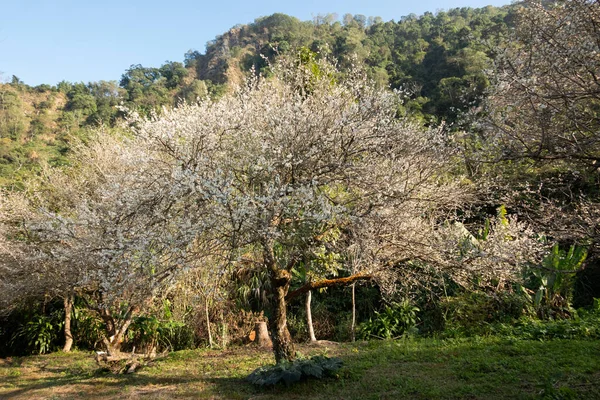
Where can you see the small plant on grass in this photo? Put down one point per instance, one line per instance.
(290, 372)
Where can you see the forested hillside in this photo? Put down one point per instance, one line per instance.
(438, 60)
(435, 176)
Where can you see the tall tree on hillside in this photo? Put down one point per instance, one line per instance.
(146, 87)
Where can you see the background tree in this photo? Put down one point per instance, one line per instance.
(545, 101)
(541, 123)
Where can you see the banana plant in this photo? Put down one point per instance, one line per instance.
(556, 278)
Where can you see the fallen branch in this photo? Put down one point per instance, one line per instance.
(123, 363)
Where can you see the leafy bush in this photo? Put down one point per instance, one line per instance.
(554, 283)
(179, 337)
(297, 326)
(149, 332)
(585, 324)
(290, 372)
(40, 334)
(472, 313)
(88, 328)
(161, 330)
(394, 321)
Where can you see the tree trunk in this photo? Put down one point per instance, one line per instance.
(223, 332)
(113, 347)
(283, 348)
(353, 327)
(68, 303)
(309, 323)
(210, 340)
(114, 342)
(262, 335)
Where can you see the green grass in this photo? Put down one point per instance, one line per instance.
(407, 369)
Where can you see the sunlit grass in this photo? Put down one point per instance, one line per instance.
(405, 369)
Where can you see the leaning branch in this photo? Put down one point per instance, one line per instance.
(327, 283)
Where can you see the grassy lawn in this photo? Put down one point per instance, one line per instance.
(406, 369)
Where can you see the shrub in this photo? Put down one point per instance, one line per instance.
(585, 324)
(149, 332)
(88, 328)
(394, 321)
(39, 334)
(294, 371)
(471, 313)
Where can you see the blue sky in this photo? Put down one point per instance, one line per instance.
(47, 41)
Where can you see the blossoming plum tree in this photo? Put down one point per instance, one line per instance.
(268, 170)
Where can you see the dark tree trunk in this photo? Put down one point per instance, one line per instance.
(68, 303)
(283, 348)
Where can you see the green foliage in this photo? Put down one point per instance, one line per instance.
(160, 331)
(12, 118)
(394, 321)
(578, 328)
(194, 91)
(296, 323)
(252, 288)
(149, 331)
(585, 324)
(87, 328)
(80, 99)
(173, 72)
(40, 333)
(554, 281)
(290, 372)
(472, 313)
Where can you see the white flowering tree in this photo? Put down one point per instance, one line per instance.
(282, 160)
(544, 104)
(268, 170)
(92, 230)
(538, 137)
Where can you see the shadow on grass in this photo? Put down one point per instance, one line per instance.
(156, 380)
(107, 381)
